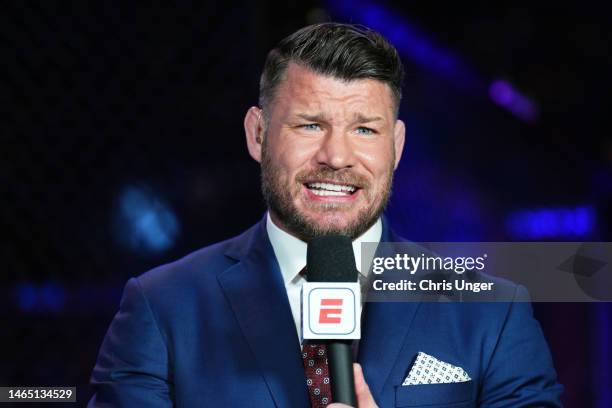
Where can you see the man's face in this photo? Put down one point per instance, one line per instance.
(329, 151)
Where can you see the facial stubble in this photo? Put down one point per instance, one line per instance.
(278, 196)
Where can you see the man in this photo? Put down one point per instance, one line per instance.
(220, 327)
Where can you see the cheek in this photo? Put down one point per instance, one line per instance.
(377, 160)
(294, 158)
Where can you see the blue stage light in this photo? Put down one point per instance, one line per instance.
(30, 297)
(509, 98)
(52, 296)
(551, 223)
(144, 222)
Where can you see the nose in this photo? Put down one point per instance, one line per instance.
(336, 151)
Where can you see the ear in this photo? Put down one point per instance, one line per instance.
(254, 131)
(399, 138)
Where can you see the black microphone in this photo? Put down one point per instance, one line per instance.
(330, 258)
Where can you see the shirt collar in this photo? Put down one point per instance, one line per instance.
(291, 251)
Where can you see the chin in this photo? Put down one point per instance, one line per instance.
(337, 223)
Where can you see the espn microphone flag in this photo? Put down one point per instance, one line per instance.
(331, 308)
(331, 299)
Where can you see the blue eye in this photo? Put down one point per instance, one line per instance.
(311, 126)
(365, 131)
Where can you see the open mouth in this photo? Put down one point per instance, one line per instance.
(331, 189)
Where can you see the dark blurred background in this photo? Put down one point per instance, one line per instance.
(122, 148)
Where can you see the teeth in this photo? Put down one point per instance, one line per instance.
(330, 193)
(331, 187)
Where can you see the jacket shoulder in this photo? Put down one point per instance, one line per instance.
(201, 266)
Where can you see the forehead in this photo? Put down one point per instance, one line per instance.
(305, 90)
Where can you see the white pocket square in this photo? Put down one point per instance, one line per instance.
(429, 370)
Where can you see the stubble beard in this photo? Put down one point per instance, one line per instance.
(279, 194)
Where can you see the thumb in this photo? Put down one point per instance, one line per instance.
(364, 396)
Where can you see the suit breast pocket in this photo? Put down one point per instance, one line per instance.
(434, 394)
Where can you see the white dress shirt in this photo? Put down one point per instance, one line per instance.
(291, 256)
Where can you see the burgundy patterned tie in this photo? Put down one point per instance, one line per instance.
(314, 356)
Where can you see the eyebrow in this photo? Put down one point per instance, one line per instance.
(367, 119)
(319, 117)
(359, 118)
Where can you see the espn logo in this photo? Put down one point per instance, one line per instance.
(330, 310)
(328, 315)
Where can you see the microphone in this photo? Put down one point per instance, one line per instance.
(332, 308)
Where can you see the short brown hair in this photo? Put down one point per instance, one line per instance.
(343, 51)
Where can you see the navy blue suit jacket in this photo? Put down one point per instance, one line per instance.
(215, 329)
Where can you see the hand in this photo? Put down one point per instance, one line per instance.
(364, 396)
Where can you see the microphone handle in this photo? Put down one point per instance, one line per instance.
(342, 380)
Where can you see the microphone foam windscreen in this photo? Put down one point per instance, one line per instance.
(330, 258)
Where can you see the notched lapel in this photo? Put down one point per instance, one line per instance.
(256, 292)
(385, 327)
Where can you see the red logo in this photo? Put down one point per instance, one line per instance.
(330, 315)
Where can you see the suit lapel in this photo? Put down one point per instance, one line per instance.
(384, 332)
(257, 294)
